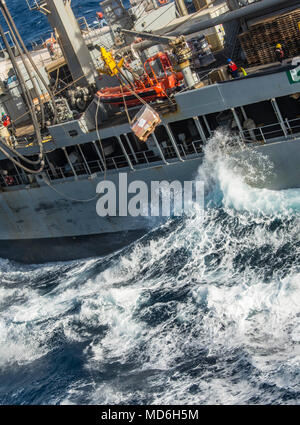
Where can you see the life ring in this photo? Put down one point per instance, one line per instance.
(163, 1)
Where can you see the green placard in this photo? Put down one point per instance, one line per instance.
(294, 75)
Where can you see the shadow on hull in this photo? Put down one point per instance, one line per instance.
(37, 251)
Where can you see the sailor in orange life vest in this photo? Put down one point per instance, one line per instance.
(49, 44)
(233, 69)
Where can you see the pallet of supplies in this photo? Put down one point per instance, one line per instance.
(145, 122)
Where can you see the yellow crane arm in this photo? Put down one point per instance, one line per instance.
(111, 66)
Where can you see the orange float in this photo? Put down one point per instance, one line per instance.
(149, 87)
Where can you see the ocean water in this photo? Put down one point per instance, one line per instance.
(203, 310)
(33, 25)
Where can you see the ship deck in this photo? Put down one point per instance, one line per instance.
(24, 129)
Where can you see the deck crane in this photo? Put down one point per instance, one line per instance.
(176, 38)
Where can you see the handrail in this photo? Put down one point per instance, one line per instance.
(264, 134)
(148, 156)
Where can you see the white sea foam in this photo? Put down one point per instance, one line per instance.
(239, 303)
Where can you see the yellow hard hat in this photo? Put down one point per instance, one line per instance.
(278, 46)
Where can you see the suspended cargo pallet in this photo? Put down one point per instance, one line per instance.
(145, 122)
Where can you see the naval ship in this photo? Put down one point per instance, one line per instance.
(68, 106)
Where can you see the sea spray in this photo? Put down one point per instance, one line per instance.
(204, 309)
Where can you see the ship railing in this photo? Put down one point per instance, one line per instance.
(55, 173)
(167, 150)
(293, 126)
(186, 149)
(93, 35)
(20, 142)
(89, 31)
(87, 27)
(35, 4)
(143, 157)
(3, 51)
(195, 147)
(198, 146)
(286, 129)
(86, 167)
(40, 43)
(83, 24)
(14, 179)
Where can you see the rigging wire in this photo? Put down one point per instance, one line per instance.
(66, 196)
(26, 95)
(30, 171)
(99, 139)
(126, 109)
(184, 22)
(28, 98)
(55, 93)
(7, 13)
(27, 69)
(131, 84)
(24, 158)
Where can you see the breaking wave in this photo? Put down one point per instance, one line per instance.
(202, 310)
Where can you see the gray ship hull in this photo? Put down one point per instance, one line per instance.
(30, 251)
(55, 216)
(40, 225)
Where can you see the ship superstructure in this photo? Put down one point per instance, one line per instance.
(70, 120)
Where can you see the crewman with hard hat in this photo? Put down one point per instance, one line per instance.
(232, 69)
(279, 53)
(101, 19)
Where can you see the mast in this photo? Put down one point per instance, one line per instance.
(72, 44)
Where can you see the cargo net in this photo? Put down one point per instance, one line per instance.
(259, 42)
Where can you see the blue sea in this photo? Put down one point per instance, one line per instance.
(202, 310)
(34, 26)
